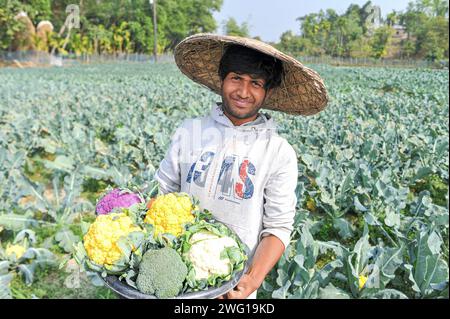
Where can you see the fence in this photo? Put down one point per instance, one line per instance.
(36, 58)
(32, 58)
(340, 61)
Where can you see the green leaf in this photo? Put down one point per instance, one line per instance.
(234, 254)
(5, 280)
(343, 227)
(62, 163)
(358, 205)
(361, 250)
(80, 253)
(388, 263)
(95, 172)
(25, 234)
(27, 271)
(325, 274)
(385, 294)
(392, 218)
(267, 286)
(282, 292)
(422, 173)
(434, 243)
(66, 240)
(331, 292)
(282, 277)
(17, 222)
(4, 267)
(302, 274)
(428, 270)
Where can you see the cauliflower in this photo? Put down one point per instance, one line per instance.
(205, 254)
(168, 213)
(117, 198)
(101, 240)
(17, 250)
(162, 273)
(213, 254)
(362, 281)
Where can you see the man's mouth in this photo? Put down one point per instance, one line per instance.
(241, 103)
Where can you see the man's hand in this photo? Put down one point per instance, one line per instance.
(266, 256)
(246, 286)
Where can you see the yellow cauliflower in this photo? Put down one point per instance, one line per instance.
(168, 213)
(100, 242)
(362, 281)
(18, 250)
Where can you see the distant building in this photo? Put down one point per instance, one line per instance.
(400, 32)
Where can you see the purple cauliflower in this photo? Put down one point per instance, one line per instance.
(117, 198)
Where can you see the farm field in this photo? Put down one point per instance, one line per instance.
(372, 212)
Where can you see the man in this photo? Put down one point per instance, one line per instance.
(233, 160)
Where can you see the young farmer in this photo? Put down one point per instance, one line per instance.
(233, 160)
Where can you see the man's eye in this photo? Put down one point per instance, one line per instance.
(257, 84)
(236, 77)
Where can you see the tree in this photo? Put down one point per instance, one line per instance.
(426, 22)
(352, 34)
(294, 44)
(392, 18)
(381, 40)
(8, 25)
(176, 20)
(232, 28)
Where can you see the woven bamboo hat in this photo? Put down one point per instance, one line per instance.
(301, 92)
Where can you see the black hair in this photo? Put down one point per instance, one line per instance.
(241, 59)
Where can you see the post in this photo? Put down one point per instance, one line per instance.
(155, 48)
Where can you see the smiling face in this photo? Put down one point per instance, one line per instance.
(242, 97)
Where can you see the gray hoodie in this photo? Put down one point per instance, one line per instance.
(244, 175)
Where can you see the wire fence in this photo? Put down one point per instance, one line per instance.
(36, 58)
(372, 62)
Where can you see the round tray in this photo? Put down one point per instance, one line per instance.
(125, 291)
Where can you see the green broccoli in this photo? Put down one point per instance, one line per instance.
(161, 273)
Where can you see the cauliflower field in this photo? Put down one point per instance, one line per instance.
(372, 211)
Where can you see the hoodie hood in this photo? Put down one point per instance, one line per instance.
(262, 122)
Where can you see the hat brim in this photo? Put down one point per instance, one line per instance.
(301, 92)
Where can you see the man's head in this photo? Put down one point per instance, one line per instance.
(300, 90)
(248, 77)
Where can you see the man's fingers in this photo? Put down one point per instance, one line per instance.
(235, 294)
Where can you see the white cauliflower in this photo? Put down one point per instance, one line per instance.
(205, 252)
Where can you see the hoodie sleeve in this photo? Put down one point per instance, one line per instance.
(168, 173)
(280, 198)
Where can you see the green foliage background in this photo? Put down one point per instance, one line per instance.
(126, 26)
(373, 172)
(349, 35)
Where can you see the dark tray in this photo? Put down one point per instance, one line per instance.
(125, 291)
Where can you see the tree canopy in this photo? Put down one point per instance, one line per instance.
(114, 26)
(126, 26)
(354, 33)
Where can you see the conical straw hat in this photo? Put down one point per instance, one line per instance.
(302, 91)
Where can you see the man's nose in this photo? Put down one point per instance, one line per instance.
(243, 90)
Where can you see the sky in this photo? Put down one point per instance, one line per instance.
(270, 18)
